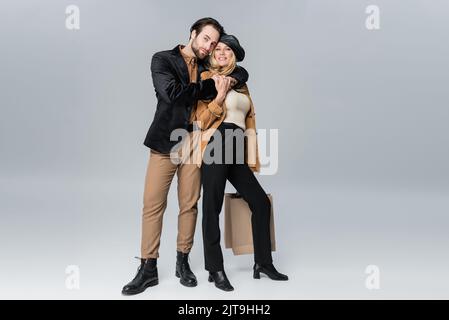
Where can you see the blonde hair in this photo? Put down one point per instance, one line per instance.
(215, 67)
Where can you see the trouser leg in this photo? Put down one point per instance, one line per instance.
(213, 177)
(159, 175)
(244, 181)
(189, 185)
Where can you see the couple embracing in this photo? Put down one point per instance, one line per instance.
(200, 88)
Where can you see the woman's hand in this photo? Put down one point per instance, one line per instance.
(223, 85)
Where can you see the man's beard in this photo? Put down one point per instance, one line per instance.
(197, 52)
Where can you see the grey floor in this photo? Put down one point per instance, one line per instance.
(326, 238)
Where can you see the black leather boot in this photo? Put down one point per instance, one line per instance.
(187, 278)
(269, 270)
(146, 277)
(221, 280)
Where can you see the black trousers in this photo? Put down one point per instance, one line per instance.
(213, 178)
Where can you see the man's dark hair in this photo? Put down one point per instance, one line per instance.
(200, 24)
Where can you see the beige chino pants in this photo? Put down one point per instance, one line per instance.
(160, 173)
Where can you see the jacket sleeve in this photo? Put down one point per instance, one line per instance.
(171, 89)
(208, 114)
(241, 75)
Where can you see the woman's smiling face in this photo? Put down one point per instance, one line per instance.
(223, 54)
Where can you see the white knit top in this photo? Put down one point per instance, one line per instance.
(237, 107)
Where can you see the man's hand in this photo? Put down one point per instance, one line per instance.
(233, 81)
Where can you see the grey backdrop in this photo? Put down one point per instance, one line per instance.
(362, 115)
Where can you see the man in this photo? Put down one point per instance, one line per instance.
(178, 87)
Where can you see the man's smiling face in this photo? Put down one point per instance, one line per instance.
(204, 42)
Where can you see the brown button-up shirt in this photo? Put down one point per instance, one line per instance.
(192, 65)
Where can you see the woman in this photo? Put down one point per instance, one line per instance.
(222, 122)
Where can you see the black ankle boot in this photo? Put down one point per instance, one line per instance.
(146, 277)
(269, 270)
(187, 278)
(221, 280)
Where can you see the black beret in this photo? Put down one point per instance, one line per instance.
(232, 42)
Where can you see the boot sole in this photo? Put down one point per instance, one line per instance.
(186, 284)
(151, 283)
